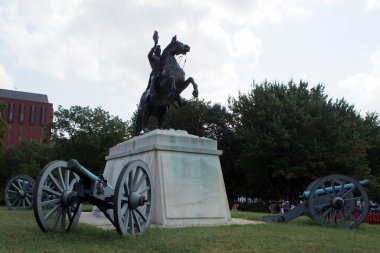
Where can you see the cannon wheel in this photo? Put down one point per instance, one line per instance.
(338, 208)
(18, 193)
(55, 206)
(133, 199)
(308, 189)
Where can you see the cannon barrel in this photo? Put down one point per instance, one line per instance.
(334, 188)
(76, 167)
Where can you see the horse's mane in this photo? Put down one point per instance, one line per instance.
(165, 52)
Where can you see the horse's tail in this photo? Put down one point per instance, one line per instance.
(138, 124)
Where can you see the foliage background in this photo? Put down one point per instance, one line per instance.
(276, 139)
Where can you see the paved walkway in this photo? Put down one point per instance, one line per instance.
(98, 220)
(102, 222)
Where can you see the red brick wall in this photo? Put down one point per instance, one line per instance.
(26, 129)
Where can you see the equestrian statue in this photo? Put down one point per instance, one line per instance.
(166, 83)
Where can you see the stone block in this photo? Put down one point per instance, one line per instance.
(188, 185)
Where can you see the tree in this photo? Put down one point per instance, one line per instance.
(27, 158)
(86, 134)
(371, 131)
(200, 118)
(289, 135)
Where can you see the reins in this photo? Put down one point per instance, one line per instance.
(180, 59)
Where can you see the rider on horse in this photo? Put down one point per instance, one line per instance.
(154, 60)
(166, 83)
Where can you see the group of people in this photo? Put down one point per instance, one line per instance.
(281, 206)
(373, 206)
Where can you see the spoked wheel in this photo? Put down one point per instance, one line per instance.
(307, 192)
(133, 199)
(338, 201)
(55, 198)
(18, 193)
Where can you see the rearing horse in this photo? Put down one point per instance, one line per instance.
(171, 85)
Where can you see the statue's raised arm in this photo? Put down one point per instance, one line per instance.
(155, 63)
(155, 37)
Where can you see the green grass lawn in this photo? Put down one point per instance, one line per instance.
(19, 233)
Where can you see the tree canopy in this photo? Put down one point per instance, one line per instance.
(86, 134)
(276, 139)
(28, 158)
(289, 135)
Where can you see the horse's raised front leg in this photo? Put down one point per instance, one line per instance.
(195, 86)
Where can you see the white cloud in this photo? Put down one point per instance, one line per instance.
(363, 89)
(372, 5)
(331, 1)
(85, 37)
(102, 42)
(6, 81)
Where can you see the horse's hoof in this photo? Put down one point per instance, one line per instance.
(195, 93)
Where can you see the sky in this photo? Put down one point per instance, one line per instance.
(94, 52)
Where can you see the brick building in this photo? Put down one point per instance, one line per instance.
(27, 116)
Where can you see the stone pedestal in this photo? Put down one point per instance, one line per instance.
(188, 186)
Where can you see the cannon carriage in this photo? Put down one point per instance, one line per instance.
(18, 192)
(331, 201)
(63, 187)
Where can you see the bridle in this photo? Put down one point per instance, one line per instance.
(180, 59)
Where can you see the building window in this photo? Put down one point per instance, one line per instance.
(43, 115)
(11, 107)
(32, 114)
(22, 113)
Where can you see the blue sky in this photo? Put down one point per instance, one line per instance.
(93, 52)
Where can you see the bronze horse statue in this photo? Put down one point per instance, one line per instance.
(171, 84)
